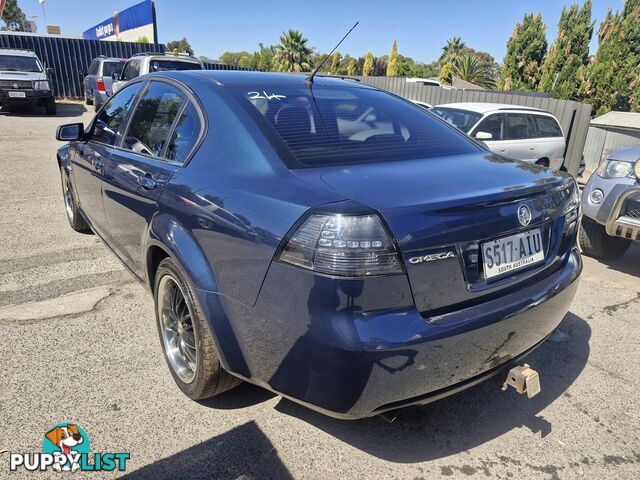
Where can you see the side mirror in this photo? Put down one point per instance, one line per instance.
(483, 136)
(71, 132)
(49, 71)
(115, 76)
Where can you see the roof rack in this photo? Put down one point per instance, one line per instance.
(146, 54)
(341, 77)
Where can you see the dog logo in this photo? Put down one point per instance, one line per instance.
(524, 215)
(68, 439)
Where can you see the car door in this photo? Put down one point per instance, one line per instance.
(521, 140)
(130, 71)
(496, 125)
(154, 146)
(550, 140)
(89, 160)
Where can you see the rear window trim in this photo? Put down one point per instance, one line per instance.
(287, 156)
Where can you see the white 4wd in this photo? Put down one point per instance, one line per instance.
(24, 81)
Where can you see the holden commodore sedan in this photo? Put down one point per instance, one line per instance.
(353, 271)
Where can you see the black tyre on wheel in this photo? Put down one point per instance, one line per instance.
(50, 106)
(76, 220)
(87, 99)
(96, 107)
(186, 341)
(596, 242)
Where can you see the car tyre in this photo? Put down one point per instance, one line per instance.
(185, 337)
(75, 218)
(50, 106)
(96, 107)
(597, 243)
(87, 99)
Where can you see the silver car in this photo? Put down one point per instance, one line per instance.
(98, 81)
(611, 205)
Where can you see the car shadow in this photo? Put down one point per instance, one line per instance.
(628, 263)
(243, 452)
(456, 423)
(62, 110)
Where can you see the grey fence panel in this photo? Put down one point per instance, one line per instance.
(574, 117)
(68, 57)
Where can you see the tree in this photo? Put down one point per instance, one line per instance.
(612, 81)
(367, 68)
(293, 54)
(392, 65)
(180, 46)
(335, 64)
(468, 68)
(352, 67)
(453, 48)
(233, 58)
(445, 76)
(13, 17)
(569, 55)
(143, 39)
(525, 54)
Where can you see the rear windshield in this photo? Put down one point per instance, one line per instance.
(325, 126)
(109, 67)
(169, 65)
(463, 119)
(18, 63)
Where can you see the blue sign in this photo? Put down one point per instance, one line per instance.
(128, 25)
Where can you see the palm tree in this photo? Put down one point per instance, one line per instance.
(468, 68)
(292, 55)
(453, 48)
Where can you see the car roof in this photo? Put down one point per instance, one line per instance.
(483, 108)
(240, 77)
(16, 52)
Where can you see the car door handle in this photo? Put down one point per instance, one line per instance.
(147, 182)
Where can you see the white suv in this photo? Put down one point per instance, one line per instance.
(142, 63)
(517, 132)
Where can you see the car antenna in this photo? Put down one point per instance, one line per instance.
(309, 79)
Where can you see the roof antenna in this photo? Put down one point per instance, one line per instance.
(309, 79)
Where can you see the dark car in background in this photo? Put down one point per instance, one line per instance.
(353, 270)
(611, 205)
(99, 79)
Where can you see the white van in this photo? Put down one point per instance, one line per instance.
(517, 132)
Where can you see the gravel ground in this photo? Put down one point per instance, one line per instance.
(79, 344)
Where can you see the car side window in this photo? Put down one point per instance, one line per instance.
(519, 126)
(495, 124)
(547, 126)
(184, 136)
(153, 119)
(107, 125)
(131, 70)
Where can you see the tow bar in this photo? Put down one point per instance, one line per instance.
(524, 379)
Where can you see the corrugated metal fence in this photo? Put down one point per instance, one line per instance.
(573, 116)
(68, 57)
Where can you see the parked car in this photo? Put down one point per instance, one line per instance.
(353, 272)
(143, 63)
(517, 132)
(98, 81)
(24, 81)
(611, 205)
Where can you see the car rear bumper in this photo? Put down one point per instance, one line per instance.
(352, 348)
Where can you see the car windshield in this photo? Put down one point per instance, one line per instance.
(18, 63)
(168, 65)
(463, 119)
(108, 68)
(326, 126)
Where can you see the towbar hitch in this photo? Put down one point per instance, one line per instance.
(524, 379)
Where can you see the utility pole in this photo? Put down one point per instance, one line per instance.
(44, 14)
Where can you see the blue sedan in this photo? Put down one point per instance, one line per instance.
(321, 238)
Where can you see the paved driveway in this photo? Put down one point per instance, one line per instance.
(79, 344)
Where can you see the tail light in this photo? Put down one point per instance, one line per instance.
(100, 85)
(343, 245)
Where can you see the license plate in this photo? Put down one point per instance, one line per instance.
(512, 253)
(17, 94)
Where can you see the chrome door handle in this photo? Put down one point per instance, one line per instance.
(96, 161)
(147, 182)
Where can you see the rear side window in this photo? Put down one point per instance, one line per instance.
(326, 126)
(184, 136)
(108, 123)
(495, 124)
(153, 119)
(520, 126)
(108, 68)
(547, 126)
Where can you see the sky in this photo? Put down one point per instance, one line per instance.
(421, 27)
